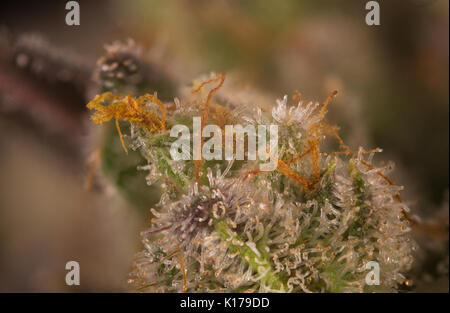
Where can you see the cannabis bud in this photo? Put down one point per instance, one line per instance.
(224, 225)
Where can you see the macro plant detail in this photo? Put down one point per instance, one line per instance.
(211, 149)
(311, 225)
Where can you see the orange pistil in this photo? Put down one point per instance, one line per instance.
(120, 135)
(129, 109)
(284, 168)
(298, 157)
(183, 268)
(323, 110)
(206, 108)
(313, 146)
(255, 171)
(334, 132)
(315, 127)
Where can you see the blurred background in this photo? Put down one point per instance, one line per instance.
(393, 93)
